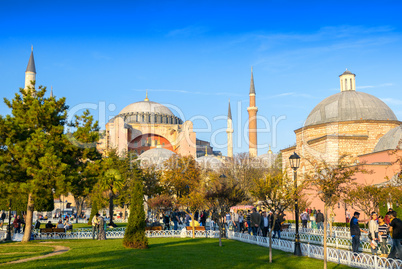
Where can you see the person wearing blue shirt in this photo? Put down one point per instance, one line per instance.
(355, 232)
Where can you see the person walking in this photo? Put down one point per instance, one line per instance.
(255, 220)
(395, 227)
(166, 220)
(102, 228)
(373, 233)
(2, 218)
(264, 224)
(249, 221)
(176, 219)
(304, 218)
(17, 224)
(383, 236)
(320, 220)
(95, 226)
(241, 222)
(355, 232)
(277, 228)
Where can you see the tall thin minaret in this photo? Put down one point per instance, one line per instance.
(229, 131)
(30, 73)
(252, 120)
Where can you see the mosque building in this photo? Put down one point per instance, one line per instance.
(350, 123)
(146, 125)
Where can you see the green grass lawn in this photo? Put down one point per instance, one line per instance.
(15, 251)
(168, 253)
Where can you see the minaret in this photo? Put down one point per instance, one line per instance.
(30, 73)
(51, 91)
(348, 81)
(229, 131)
(252, 120)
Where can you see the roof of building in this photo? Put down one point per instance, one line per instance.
(146, 106)
(347, 72)
(348, 106)
(390, 141)
(31, 64)
(155, 156)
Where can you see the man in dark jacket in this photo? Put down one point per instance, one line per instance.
(355, 232)
(319, 219)
(255, 220)
(395, 227)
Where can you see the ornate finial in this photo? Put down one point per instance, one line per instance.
(206, 151)
(31, 47)
(269, 151)
(146, 96)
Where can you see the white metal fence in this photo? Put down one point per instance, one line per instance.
(339, 256)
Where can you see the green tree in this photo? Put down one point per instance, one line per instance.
(134, 236)
(115, 174)
(32, 147)
(222, 194)
(81, 157)
(331, 182)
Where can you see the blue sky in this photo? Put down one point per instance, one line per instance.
(198, 54)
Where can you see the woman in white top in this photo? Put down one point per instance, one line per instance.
(373, 233)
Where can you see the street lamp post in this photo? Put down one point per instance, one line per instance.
(294, 160)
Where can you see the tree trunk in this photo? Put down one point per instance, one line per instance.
(220, 232)
(79, 201)
(270, 238)
(111, 207)
(325, 235)
(124, 211)
(28, 219)
(193, 223)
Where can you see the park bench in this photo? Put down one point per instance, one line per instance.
(198, 228)
(52, 231)
(153, 228)
(285, 226)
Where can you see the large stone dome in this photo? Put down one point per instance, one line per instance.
(146, 106)
(390, 140)
(349, 106)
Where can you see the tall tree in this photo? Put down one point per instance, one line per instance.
(32, 147)
(81, 157)
(115, 173)
(221, 194)
(134, 237)
(331, 182)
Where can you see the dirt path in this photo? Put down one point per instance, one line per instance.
(56, 251)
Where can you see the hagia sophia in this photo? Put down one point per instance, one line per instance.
(349, 122)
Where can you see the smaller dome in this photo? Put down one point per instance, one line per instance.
(155, 157)
(209, 162)
(390, 140)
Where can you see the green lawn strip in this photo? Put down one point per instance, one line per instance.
(171, 253)
(16, 251)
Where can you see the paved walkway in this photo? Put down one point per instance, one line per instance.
(56, 251)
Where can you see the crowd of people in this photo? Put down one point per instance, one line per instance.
(379, 229)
